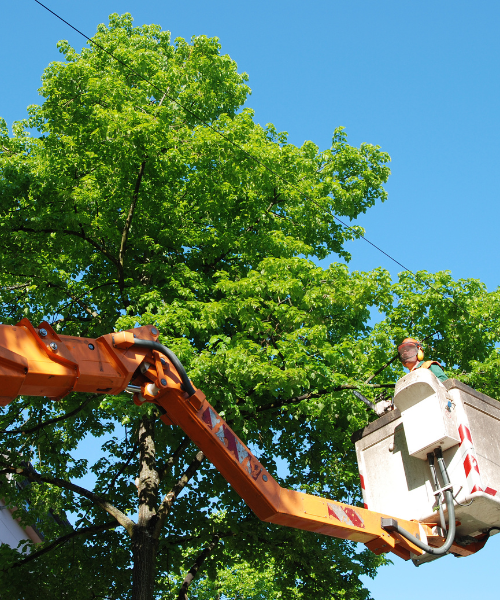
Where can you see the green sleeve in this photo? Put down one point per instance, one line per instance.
(438, 372)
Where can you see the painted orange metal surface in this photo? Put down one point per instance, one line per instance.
(262, 493)
(39, 362)
(53, 365)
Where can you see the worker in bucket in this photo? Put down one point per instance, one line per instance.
(411, 354)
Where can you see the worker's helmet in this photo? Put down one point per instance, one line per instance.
(410, 348)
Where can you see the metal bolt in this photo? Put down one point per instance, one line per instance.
(42, 332)
(264, 478)
(154, 331)
(163, 381)
(163, 361)
(91, 346)
(53, 346)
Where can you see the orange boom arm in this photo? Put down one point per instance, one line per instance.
(39, 362)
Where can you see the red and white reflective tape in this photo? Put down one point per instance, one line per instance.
(345, 514)
(230, 440)
(363, 489)
(468, 455)
(469, 460)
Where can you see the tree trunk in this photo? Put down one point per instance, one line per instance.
(144, 548)
(144, 543)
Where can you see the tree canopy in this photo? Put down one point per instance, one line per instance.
(151, 196)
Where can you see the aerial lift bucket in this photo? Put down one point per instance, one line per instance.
(392, 451)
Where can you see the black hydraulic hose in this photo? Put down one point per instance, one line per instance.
(432, 467)
(392, 524)
(187, 386)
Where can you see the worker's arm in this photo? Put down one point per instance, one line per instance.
(436, 370)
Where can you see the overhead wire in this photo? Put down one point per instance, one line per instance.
(252, 157)
(234, 144)
(166, 94)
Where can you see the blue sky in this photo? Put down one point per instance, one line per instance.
(420, 79)
(417, 78)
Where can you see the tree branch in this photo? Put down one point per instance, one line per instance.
(389, 362)
(195, 568)
(80, 234)
(85, 307)
(19, 286)
(276, 200)
(294, 400)
(123, 467)
(34, 477)
(174, 459)
(170, 498)
(163, 97)
(52, 421)
(128, 222)
(78, 299)
(297, 399)
(62, 540)
(175, 541)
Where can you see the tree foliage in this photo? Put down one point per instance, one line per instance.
(150, 196)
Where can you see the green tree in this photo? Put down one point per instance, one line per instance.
(152, 197)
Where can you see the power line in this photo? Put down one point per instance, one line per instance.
(239, 147)
(185, 108)
(191, 112)
(215, 130)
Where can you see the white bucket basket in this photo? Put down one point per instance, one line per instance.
(392, 453)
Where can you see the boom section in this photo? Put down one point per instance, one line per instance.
(40, 362)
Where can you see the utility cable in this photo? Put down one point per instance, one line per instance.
(226, 138)
(174, 100)
(248, 154)
(214, 129)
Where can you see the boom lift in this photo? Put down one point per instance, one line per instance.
(39, 362)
